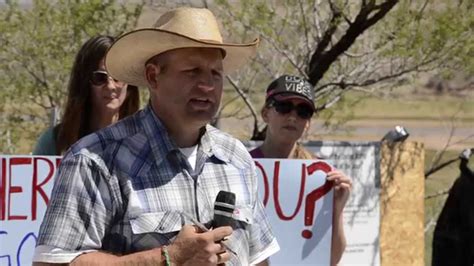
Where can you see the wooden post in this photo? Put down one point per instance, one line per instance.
(402, 204)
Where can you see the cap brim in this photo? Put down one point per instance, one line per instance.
(289, 96)
(126, 58)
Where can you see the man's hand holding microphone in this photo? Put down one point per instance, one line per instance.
(196, 245)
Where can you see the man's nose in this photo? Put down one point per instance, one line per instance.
(207, 81)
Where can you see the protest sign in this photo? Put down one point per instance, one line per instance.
(298, 202)
(300, 214)
(25, 186)
(360, 161)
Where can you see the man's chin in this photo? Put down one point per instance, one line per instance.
(202, 115)
(199, 120)
(202, 120)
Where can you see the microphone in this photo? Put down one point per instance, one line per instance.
(223, 209)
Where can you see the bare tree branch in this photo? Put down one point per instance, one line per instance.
(326, 38)
(225, 104)
(435, 166)
(316, 21)
(357, 55)
(344, 85)
(422, 9)
(321, 61)
(305, 25)
(330, 102)
(247, 102)
(437, 194)
(431, 223)
(439, 154)
(284, 53)
(435, 169)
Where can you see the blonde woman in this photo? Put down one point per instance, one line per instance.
(289, 106)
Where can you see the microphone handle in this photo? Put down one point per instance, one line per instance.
(221, 220)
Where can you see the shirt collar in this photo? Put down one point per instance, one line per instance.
(161, 143)
(213, 144)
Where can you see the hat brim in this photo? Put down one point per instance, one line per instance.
(126, 58)
(288, 96)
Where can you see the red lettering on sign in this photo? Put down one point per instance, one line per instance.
(314, 195)
(3, 189)
(265, 183)
(276, 192)
(15, 189)
(37, 188)
(310, 199)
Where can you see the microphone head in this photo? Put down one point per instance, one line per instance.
(224, 209)
(226, 197)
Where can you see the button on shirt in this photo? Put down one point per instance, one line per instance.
(125, 188)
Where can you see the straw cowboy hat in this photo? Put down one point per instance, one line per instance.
(179, 28)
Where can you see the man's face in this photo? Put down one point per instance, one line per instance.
(188, 86)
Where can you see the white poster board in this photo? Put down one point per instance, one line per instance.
(359, 160)
(25, 186)
(298, 202)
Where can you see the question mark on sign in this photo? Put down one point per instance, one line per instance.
(314, 195)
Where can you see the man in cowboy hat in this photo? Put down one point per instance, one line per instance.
(130, 194)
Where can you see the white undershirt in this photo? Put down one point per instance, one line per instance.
(191, 154)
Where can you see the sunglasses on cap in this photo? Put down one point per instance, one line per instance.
(303, 110)
(100, 77)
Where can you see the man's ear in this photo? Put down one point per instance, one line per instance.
(151, 74)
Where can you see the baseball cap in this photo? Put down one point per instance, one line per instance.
(291, 87)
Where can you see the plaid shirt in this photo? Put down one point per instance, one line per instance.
(124, 189)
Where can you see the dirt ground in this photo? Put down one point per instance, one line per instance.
(434, 134)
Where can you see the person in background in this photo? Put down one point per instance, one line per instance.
(94, 101)
(453, 237)
(133, 193)
(289, 106)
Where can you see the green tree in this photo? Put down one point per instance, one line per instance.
(38, 44)
(341, 46)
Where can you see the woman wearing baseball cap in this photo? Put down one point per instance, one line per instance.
(289, 106)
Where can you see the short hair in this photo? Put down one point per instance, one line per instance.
(160, 60)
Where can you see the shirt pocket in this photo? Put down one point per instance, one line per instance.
(157, 222)
(151, 230)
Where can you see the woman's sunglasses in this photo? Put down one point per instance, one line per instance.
(100, 78)
(303, 110)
